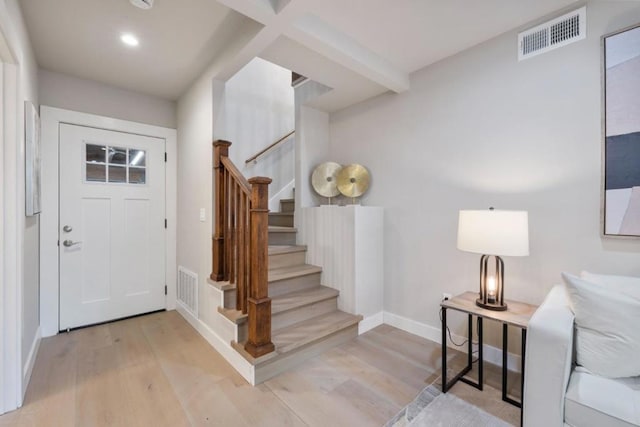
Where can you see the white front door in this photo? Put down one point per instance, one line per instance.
(112, 225)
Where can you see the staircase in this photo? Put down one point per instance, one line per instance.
(305, 319)
(281, 314)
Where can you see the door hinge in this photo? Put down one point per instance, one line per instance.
(165, 156)
(165, 289)
(165, 223)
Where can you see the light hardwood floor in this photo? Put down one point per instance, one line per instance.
(156, 370)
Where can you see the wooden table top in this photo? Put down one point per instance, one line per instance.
(517, 313)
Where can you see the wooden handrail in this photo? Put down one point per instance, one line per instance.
(240, 245)
(255, 157)
(236, 175)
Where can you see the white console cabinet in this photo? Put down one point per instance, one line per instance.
(347, 242)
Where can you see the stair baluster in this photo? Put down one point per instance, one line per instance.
(240, 244)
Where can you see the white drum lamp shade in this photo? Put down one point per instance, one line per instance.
(493, 234)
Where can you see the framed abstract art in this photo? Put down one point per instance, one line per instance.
(621, 85)
(32, 159)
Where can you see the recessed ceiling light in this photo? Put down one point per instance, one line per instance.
(129, 39)
(142, 4)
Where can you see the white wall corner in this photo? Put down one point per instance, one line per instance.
(370, 322)
(27, 369)
(491, 354)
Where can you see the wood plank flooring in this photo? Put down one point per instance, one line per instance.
(156, 370)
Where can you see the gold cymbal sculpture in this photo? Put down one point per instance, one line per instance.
(325, 178)
(353, 181)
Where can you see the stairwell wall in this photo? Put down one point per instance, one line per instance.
(257, 110)
(481, 129)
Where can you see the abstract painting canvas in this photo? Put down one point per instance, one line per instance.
(622, 133)
(32, 159)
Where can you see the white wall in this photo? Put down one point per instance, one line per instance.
(258, 110)
(312, 143)
(87, 96)
(481, 129)
(26, 255)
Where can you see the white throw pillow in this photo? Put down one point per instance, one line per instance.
(607, 332)
(625, 284)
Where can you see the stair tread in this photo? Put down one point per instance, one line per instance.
(286, 249)
(281, 213)
(233, 315)
(287, 200)
(291, 300)
(280, 229)
(282, 273)
(308, 331)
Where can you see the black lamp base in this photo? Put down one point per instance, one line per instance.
(491, 306)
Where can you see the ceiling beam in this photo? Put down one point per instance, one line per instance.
(337, 46)
(294, 19)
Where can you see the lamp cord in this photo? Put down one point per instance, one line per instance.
(463, 342)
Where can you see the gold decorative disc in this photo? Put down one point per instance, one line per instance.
(353, 180)
(325, 179)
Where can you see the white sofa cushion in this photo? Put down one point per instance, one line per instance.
(596, 401)
(625, 284)
(607, 332)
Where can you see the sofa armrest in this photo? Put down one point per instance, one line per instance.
(548, 361)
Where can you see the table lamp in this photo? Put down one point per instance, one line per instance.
(493, 233)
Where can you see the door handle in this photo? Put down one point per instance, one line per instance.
(69, 243)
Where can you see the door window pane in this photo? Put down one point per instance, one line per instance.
(96, 172)
(117, 174)
(124, 165)
(137, 157)
(117, 156)
(96, 153)
(137, 175)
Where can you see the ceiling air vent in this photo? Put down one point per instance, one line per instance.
(553, 34)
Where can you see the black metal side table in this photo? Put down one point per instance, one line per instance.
(517, 314)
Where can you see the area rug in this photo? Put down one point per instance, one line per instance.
(434, 409)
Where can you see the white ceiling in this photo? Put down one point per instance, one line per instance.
(360, 48)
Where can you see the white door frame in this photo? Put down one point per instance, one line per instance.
(50, 119)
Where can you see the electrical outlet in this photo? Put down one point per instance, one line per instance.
(446, 296)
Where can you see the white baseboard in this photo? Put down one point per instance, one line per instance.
(490, 354)
(234, 358)
(31, 361)
(370, 322)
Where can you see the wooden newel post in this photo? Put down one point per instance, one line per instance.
(220, 149)
(259, 304)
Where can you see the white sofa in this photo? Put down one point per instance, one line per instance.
(556, 392)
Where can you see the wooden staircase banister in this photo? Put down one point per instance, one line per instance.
(236, 175)
(240, 244)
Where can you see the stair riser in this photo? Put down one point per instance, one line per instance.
(230, 298)
(281, 220)
(282, 238)
(287, 260)
(270, 370)
(294, 284)
(287, 206)
(243, 332)
(288, 318)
